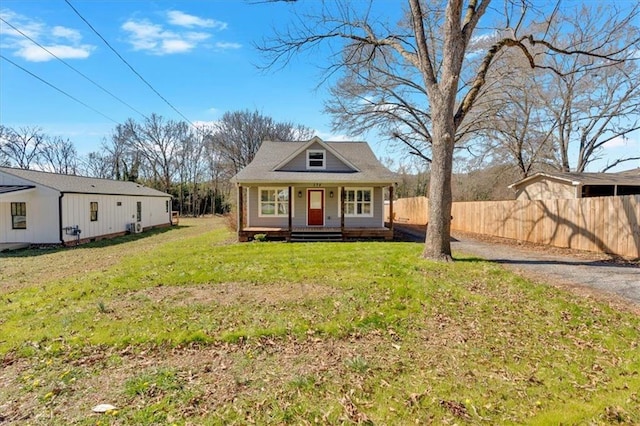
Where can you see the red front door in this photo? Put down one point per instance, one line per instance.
(315, 207)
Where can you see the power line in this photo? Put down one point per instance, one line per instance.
(128, 65)
(58, 89)
(74, 69)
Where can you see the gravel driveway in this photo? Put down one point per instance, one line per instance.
(551, 265)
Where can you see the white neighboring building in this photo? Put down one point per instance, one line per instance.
(48, 208)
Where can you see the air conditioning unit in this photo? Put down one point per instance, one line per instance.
(134, 227)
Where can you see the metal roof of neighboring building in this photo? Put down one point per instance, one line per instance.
(83, 185)
(628, 177)
(270, 156)
(7, 189)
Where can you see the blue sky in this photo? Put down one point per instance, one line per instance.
(199, 55)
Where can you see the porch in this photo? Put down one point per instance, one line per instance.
(309, 233)
(319, 213)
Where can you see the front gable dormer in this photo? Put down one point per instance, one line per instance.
(316, 156)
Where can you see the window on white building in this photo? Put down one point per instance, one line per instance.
(93, 207)
(19, 215)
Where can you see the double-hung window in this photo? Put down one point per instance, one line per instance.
(93, 209)
(274, 202)
(19, 215)
(316, 159)
(358, 202)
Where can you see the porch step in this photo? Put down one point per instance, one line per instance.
(315, 236)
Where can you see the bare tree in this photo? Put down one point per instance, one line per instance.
(191, 163)
(22, 146)
(219, 174)
(239, 134)
(593, 106)
(415, 80)
(59, 156)
(97, 164)
(123, 156)
(563, 120)
(509, 124)
(4, 133)
(157, 142)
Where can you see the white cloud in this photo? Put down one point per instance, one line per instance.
(153, 38)
(68, 33)
(34, 53)
(182, 19)
(29, 27)
(620, 142)
(176, 46)
(144, 35)
(158, 39)
(227, 45)
(63, 42)
(483, 38)
(333, 137)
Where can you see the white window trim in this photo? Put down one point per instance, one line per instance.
(356, 189)
(276, 188)
(324, 159)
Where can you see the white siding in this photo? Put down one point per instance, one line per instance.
(42, 213)
(42, 217)
(112, 218)
(43, 208)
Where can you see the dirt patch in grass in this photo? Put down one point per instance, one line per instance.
(228, 294)
(218, 378)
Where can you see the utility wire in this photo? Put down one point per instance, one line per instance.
(74, 69)
(128, 64)
(58, 89)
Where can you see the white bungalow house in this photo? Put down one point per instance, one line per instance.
(47, 208)
(314, 190)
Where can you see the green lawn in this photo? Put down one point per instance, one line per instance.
(184, 326)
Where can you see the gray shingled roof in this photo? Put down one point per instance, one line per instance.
(633, 172)
(83, 185)
(6, 189)
(629, 177)
(271, 154)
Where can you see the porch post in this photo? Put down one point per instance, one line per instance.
(342, 196)
(391, 208)
(289, 210)
(240, 209)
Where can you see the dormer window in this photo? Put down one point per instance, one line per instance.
(316, 159)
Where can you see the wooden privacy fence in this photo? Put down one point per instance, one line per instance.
(600, 224)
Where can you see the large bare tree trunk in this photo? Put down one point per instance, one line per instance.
(438, 241)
